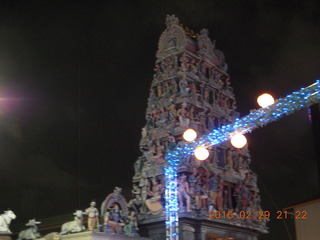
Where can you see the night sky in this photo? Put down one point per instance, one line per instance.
(74, 83)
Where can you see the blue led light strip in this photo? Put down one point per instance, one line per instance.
(256, 118)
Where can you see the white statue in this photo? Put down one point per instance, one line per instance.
(30, 233)
(74, 226)
(5, 220)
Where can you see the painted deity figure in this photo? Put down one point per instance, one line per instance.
(204, 195)
(198, 191)
(154, 203)
(184, 88)
(229, 160)
(192, 181)
(131, 227)
(138, 167)
(136, 202)
(144, 185)
(184, 63)
(245, 197)
(93, 216)
(183, 192)
(172, 112)
(182, 114)
(235, 159)
(171, 142)
(220, 195)
(113, 220)
(213, 190)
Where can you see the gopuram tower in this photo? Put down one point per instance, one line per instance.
(218, 197)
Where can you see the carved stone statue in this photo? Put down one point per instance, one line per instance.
(135, 203)
(114, 209)
(213, 190)
(5, 220)
(74, 226)
(93, 216)
(171, 20)
(183, 113)
(131, 226)
(30, 233)
(229, 160)
(114, 220)
(138, 166)
(183, 193)
(154, 203)
(144, 185)
(184, 87)
(220, 194)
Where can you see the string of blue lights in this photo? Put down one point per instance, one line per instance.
(295, 101)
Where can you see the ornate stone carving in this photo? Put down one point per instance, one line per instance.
(171, 20)
(191, 89)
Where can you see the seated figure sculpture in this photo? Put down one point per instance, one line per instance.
(154, 203)
(113, 220)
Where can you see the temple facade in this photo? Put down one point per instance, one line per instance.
(219, 197)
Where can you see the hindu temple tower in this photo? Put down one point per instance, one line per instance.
(191, 89)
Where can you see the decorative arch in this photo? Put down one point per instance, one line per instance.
(112, 199)
(173, 39)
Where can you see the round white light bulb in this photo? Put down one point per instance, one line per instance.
(238, 140)
(189, 135)
(265, 100)
(201, 153)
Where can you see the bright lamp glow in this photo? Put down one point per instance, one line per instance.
(189, 135)
(265, 100)
(201, 153)
(238, 140)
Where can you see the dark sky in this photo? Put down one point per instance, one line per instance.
(74, 83)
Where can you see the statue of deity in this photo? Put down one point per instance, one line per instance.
(93, 216)
(131, 227)
(154, 203)
(183, 193)
(144, 185)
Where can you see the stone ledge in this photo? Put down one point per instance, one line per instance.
(88, 235)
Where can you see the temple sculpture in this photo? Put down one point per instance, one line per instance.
(191, 89)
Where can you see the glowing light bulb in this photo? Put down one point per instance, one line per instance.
(238, 140)
(189, 135)
(201, 153)
(265, 100)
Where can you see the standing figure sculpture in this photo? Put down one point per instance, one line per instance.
(183, 192)
(93, 216)
(131, 227)
(31, 232)
(5, 220)
(144, 185)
